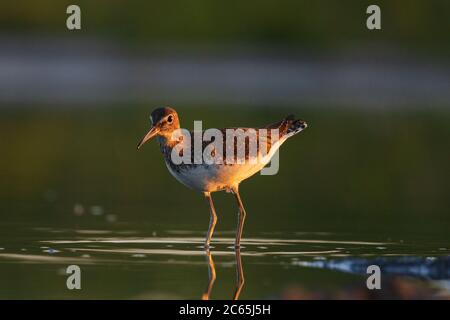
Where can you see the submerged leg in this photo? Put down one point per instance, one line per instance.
(241, 219)
(239, 275)
(212, 221)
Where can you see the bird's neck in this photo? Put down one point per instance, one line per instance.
(169, 140)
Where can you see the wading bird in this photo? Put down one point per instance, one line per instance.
(229, 167)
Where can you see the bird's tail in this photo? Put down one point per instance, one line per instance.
(294, 126)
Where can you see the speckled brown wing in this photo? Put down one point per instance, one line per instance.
(230, 152)
(263, 139)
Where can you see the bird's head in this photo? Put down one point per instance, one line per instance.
(164, 123)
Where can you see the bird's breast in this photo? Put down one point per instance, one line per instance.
(215, 176)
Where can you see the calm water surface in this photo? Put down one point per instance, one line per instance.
(357, 188)
(133, 263)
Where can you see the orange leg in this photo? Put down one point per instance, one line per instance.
(212, 221)
(241, 219)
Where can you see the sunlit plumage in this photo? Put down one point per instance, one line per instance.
(227, 174)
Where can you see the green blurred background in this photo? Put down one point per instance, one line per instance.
(418, 24)
(373, 163)
(74, 104)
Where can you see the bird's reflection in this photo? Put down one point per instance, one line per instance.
(239, 275)
(212, 274)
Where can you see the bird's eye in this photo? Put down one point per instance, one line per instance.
(169, 119)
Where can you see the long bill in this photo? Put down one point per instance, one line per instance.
(150, 134)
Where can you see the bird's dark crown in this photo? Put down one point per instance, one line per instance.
(161, 113)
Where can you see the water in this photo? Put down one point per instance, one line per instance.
(135, 263)
(354, 189)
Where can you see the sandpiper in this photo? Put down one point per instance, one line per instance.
(229, 169)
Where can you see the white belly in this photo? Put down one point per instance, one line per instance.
(216, 177)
